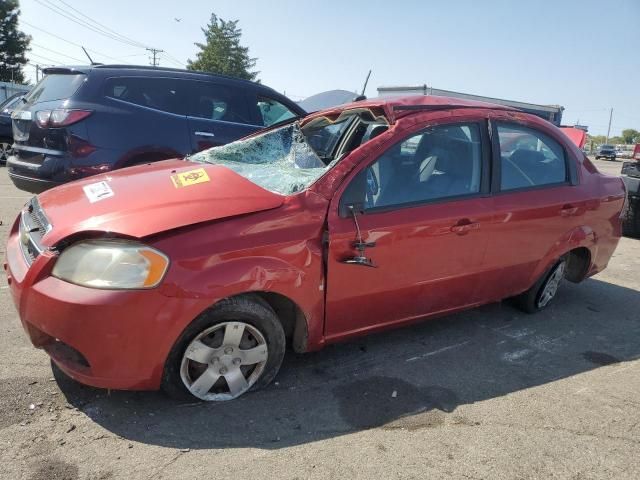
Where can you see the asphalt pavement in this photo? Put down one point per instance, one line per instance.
(488, 393)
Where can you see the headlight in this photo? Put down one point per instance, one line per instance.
(111, 264)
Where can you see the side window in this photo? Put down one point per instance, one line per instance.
(437, 163)
(218, 102)
(272, 111)
(529, 158)
(163, 94)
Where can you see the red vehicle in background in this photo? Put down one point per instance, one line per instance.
(352, 220)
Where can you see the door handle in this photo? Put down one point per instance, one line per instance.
(464, 226)
(568, 210)
(204, 134)
(359, 260)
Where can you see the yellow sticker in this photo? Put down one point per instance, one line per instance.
(192, 177)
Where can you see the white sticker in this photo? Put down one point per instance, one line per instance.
(97, 191)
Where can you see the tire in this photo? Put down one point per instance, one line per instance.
(212, 350)
(631, 219)
(532, 300)
(5, 149)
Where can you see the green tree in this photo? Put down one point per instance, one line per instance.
(597, 139)
(13, 43)
(630, 135)
(222, 53)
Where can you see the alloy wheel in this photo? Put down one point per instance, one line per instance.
(551, 285)
(224, 361)
(5, 151)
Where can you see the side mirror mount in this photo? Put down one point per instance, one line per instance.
(354, 196)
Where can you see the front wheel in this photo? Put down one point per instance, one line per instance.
(540, 295)
(236, 346)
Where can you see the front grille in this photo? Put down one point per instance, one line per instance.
(33, 226)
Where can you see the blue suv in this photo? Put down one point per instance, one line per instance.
(81, 121)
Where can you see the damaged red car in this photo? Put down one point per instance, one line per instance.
(195, 275)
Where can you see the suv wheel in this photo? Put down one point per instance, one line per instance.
(235, 347)
(5, 149)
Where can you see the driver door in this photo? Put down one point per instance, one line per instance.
(423, 208)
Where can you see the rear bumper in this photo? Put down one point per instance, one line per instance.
(48, 171)
(102, 338)
(37, 177)
(30, 184)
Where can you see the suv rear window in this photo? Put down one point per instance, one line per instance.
(165, 94)
(56, 87)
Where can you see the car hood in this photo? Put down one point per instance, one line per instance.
(148, 199)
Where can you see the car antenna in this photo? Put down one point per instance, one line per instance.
(88, 56)
(362, 96)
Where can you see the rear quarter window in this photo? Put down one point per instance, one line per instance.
(56, 87)
(164, 94)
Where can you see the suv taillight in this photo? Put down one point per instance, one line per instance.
(60, 117)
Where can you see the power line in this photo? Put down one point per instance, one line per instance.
(174, 59)
(170, 59)
(99, 28)
(68, 41)
(56, 52)
(47, 59)
(166, 55)
(54, 8)
(100, 24)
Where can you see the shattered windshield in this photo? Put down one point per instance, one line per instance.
(278, 160)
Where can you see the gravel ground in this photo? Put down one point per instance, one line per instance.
(489, 393)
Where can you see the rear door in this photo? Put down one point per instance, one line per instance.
(218, 114)
(536, 201)
(425, 208)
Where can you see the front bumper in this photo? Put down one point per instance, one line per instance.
(102, 338)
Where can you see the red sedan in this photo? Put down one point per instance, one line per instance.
(193, 276)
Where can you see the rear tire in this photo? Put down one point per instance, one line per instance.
(210, 335)
(631, 219)
(5, 149)
(542, 293)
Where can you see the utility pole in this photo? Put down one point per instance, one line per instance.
(609, 129)
(37, 73)
(155, 51)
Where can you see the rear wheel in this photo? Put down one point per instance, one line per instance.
(540, 295)
(631, 219)
(235, 347)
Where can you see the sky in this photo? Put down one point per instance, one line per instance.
(581, 54)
